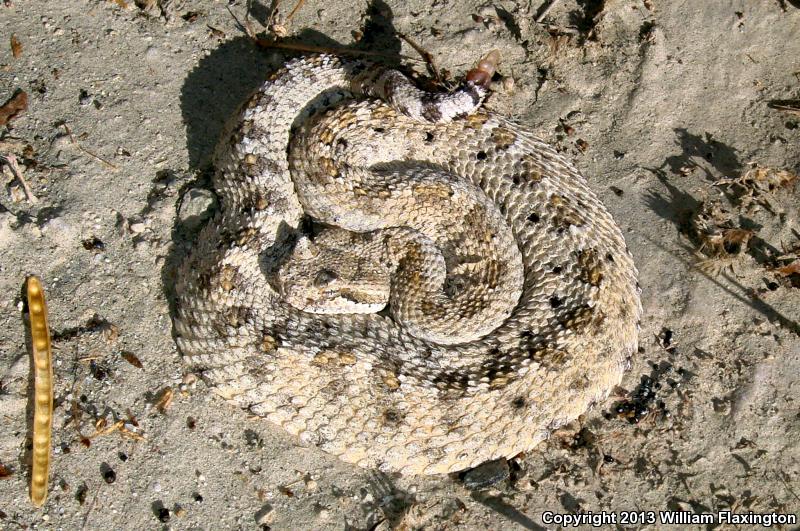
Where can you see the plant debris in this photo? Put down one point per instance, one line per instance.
(16, 105)
(164, 399)
(16, 47)
(756, 183)
(11, 162)
(721, 239)
(131, 358)
(790, 106)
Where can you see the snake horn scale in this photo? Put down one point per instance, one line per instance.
(462, 292)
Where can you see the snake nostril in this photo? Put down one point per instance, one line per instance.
(324, 277)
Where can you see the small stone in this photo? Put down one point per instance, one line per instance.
(163, 515)
(152, 54)
(35, 231)
(311, 485)
(486, 475)
(265, 515)
(195, 206)
(137, 228)
(109, 476)
(17, 193)
(61, 143)
(84, 98)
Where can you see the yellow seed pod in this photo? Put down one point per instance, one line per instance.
(42, 391)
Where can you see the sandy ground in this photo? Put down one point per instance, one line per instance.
(656, 101)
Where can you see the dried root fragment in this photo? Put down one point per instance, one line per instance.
(787, 266)
(721, 240)
(790, 106)
(164, 399)
(755, 185)
(43, 391)
(16, 105)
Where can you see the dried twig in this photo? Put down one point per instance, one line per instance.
(98, 157)
(244, 26)
(545, 11)
(790, 106)
(11, 162)
(425, 54)
(89, 509)
(297, 6)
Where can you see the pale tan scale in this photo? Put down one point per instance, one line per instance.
(462, 294)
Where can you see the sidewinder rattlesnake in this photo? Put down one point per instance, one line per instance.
(460, 294)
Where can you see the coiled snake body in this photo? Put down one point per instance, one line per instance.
(465, 295)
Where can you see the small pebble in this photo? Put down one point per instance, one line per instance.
(109, 476)
(195, 206)
(60, 141)
(84, 98)
(487, 474)
(163, 515)
(265, 515)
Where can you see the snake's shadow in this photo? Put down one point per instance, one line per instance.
(221, 83)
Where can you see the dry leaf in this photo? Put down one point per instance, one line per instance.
(16, 47)
(790, 269)
(164, 400)
(17, 104)
(219, 34)
(131, 358)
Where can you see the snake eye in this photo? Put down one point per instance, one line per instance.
(324, 277)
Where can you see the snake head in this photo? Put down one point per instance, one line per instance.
(337, 272)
